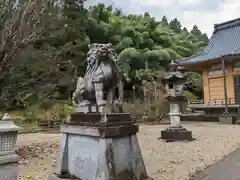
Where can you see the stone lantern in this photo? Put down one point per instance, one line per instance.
(8, 139)
(174, 81)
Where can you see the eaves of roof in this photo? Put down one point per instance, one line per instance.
(224, 42)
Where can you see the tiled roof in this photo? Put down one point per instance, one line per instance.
(225, 41)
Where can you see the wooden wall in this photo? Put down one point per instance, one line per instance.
(213, 86)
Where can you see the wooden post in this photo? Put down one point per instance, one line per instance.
(225, 88)
(149, 103)
(155, 98)
(121, 92)
(146, 64)
(145, 94)
(133, 93)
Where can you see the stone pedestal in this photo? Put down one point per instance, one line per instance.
(175, 114)
(177, 133)
(93, 150)
(9, 171)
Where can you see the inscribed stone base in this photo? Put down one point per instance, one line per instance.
(88, 153)
(9, 171)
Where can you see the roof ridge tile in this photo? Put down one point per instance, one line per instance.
(227, 24)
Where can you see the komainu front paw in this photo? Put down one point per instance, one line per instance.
(84, 103)
(101, 103)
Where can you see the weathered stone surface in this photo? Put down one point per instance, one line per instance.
(9, 172)
(101, 79)
(90, 157)
(8, 126)
(94, 119)
(105, 132)
(10, 158)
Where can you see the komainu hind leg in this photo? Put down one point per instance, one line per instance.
(101, 103)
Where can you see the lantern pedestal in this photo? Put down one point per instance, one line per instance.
(9, 171)
(176, 133)
(8, 157)
(8, 139)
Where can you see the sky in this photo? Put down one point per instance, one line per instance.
(203, 13)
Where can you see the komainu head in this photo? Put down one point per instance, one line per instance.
(101, 50)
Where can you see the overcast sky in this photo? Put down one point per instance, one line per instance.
(204, 13)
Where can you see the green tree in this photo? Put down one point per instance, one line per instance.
(164, 20)
(205, 38)
(185, 30)
(48, 71)
(146, 14)
(196, 32)
(20, 28)
(175, 25)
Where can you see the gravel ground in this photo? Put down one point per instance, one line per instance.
(164, 161)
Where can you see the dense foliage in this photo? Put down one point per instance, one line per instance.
(48, 70)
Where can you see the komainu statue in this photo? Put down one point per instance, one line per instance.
(98, 90)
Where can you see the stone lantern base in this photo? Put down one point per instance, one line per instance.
(8, 139)
(177, 133)
(8, 157)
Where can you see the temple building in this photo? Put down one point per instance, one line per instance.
(222, 52)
